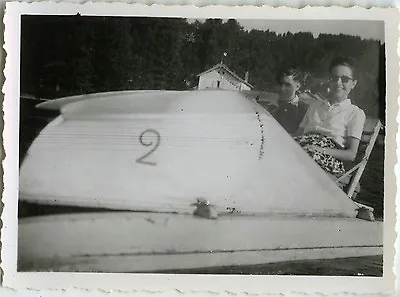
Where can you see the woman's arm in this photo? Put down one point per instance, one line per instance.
(348, 154)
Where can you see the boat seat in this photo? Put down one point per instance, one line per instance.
(354, 174)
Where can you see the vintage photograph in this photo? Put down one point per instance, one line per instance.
(149, 149)
(206, 146)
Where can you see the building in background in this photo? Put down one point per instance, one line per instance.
(221, 77)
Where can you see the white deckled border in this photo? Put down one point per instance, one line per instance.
(186, 283)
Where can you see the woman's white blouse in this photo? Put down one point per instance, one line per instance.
(337, 121)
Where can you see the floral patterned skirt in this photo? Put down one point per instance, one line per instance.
(325, 161)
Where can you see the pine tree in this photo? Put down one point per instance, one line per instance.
(66, 55)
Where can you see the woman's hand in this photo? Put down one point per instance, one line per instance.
(348, 154)
(316, 148)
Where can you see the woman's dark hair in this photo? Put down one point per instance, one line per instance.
(289, 71)
(344, 61)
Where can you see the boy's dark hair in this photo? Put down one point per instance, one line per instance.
(289, 71)
(345, 61)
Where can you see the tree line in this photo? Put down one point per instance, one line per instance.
(68, 55)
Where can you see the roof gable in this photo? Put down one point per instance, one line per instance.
(223, 66)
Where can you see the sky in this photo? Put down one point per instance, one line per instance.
(364, 29)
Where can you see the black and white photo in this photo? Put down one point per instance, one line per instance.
(202, 145)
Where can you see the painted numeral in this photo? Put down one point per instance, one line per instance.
(151, 144)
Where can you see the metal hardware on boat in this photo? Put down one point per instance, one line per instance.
(365, 214)
(204, 209)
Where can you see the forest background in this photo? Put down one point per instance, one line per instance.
(70, 55)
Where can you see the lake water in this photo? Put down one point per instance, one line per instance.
(361, 266)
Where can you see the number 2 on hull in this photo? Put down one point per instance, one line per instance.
(142, 160)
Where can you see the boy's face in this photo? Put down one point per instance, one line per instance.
(288, 88)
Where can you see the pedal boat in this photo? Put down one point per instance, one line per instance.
(178, 180)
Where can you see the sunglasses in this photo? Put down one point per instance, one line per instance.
(345, 79)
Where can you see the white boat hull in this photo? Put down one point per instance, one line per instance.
(148, 242)
(216, 145)
(273, 202)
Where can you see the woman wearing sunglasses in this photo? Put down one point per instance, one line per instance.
(331, 129)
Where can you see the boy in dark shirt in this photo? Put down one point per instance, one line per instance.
(291, 110)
